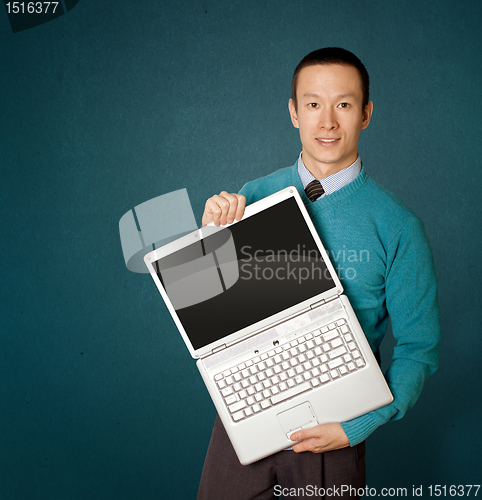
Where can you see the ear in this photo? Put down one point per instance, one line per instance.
(293, 113)
(367, 115)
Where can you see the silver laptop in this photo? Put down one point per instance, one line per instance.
(260, 306)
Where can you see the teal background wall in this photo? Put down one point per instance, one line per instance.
(117, 102)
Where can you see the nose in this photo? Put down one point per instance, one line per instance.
(327, 119)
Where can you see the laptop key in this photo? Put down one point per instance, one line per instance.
(330, 336)
(231, 399)
(335, 363)
(238, 416)
(339, 351)
(227, 391)
(237, 406)
(290, 393)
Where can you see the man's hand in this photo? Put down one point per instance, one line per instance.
(321, 438)
(223, 208)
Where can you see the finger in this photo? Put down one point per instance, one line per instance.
(223, 200)
(305, 434)
(310, 445)
(241, 206)
(232, 198)
(212, 212)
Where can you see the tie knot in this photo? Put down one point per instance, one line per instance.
(314, 190)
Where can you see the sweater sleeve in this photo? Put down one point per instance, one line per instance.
(411, 299)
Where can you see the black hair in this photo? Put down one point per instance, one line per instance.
(333, 55)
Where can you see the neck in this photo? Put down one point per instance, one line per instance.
(323, 170)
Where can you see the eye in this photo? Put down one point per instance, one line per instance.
(343, 105)
(313, 105)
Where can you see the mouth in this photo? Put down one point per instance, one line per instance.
(327, 142)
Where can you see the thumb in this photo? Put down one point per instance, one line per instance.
(303, 434)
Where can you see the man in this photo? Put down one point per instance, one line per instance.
(352, 214)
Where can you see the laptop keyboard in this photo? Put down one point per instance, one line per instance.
(308, 362)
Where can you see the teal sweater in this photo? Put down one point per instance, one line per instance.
(379, 249)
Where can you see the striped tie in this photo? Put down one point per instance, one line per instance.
(314, 190)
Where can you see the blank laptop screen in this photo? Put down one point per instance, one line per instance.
(243, 274)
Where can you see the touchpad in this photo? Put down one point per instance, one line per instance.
(296, 418)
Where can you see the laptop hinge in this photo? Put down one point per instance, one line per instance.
(323, 301)
(316, 304)
(219, 348)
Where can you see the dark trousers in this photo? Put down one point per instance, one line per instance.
(224, 478)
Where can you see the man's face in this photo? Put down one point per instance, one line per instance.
(330, 116)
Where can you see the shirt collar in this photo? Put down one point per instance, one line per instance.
(333, 182)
